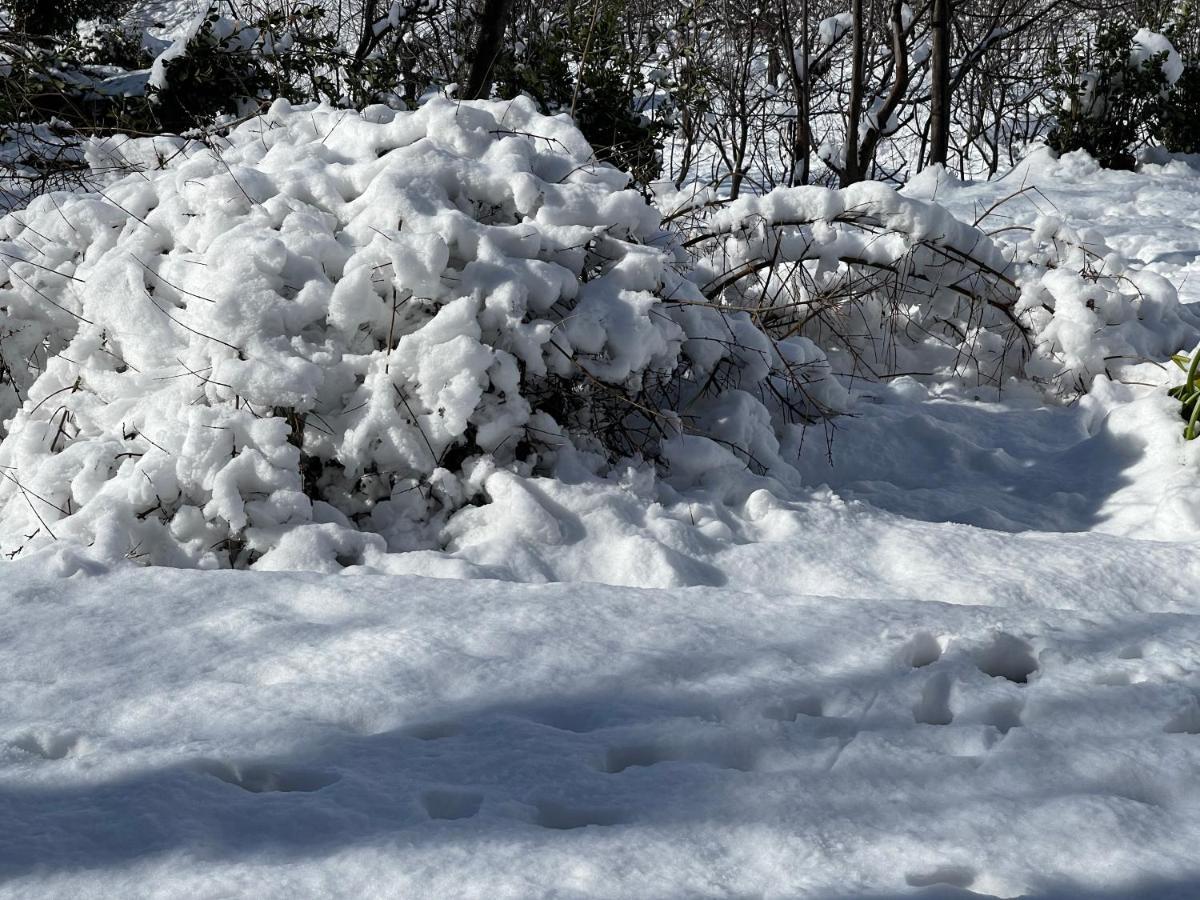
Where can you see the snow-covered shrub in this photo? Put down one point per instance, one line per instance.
(1115, 93)
(104, 77)
(1091, 312)
(585, 64)
(1180, 126)
(212, 67)
(325, 332)
(880, 280)
(887, 284)
(108, 76)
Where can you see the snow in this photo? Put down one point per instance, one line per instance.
(334, 296)
(1008, 715)
(832, 29)
(157, 78)
(1148, 44)
(948, 647)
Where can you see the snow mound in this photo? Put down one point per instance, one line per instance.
(329, 333)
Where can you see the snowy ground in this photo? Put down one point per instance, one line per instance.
(215, 734)
(970, 666)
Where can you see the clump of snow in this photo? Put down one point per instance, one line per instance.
(1148, 44)
(1144, 47)
(177, 49)
(330, 326)
(832, 29)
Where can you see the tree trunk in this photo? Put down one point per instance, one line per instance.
(493, 22)
(939, 94)
(797, 47)
(852, 168)
(877, 128)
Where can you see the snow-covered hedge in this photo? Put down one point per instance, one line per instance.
(321, 339)
(323, 332)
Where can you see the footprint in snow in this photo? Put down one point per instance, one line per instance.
(922, 649)
(934, 706)
(792, 709)
(564, 818)
(432, 731)
(1008, 657)
(48, 745)
(1004, 715)
(451, 804)
(263, 779)
(951, 876)
(630, 756)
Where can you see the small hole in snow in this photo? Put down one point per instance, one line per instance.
(952, 876)
(618, 759)
(923, 649)
(934, 706)
(562, 818)
(48, 746)
(265, 779)
(446, 804)
(791, 710)
(1004, 715)
(1008, 657)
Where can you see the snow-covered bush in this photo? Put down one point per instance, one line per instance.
(1115, 94)
(322, 333)
(324, 337)
(888, 284)
(114, 74)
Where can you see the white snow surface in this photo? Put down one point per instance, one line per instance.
(960, 660)
(893, 710)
